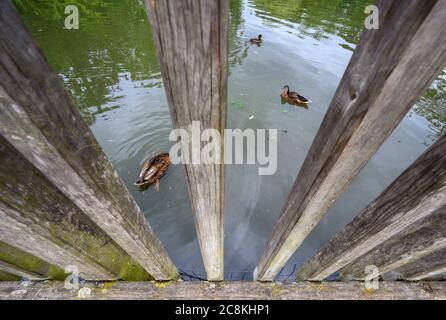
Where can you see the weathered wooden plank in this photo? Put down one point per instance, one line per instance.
(427, 273)
(388, 71)
(437, 277)
(429, 266)
(20, 235)
(416, 197)
(32, 204)
(191, 40)
(420, 239)
(227, 290)
(19, 271)
(28, 264)
(39, 119)
(6, 276)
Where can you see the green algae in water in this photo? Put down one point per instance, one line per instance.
(237, 104)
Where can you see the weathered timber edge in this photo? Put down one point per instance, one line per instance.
(40, 121)
(416, 198)
(192, 49)
(388, 72)
(233, 290)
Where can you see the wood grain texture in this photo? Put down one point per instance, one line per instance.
(432, 266)
(388, 72)
(415, 199)
(38, 208)
(39, 119)
(6, 276)
(229, 290)
(437, 277)
(28, 263)
(5, 266)
(18, 234)
(192, 43)
(419, 240)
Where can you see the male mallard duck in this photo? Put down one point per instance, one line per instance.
(257, 40)
(293, 97)
(153, 169)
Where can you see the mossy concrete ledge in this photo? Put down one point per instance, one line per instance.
(225, 290)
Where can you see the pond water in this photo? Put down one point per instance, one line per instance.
(111, 70)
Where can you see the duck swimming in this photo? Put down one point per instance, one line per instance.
(257, 40)
(293, 97)
(153, 169)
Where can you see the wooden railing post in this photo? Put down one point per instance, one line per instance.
(191, 40)
(12, 269)
(41, 123)
(432, 265)
(23, 264)
(415, 200)
(38, 219)
(418, 240)
(388, 72)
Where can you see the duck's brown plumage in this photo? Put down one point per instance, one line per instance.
(153, 169)
(257, 40)
(293, 97)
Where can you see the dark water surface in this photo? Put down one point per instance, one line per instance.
(111, 70)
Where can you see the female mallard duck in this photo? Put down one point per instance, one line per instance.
(293, 97)
(257, 40)
(153, 169)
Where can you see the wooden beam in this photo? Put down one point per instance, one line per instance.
(416, 197)
(29, 264)
(4, 266)
(192, 44)
(427, 267)
(39, 119)
(427, 273)
(420, 239)
(436, 277)
(12, 269)
(6, 276)
(388, 72)
(350, 290)
(18, 234)
(37, 218)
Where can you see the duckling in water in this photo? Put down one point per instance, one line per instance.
(257, 40)
(152, 170)
(293, 97)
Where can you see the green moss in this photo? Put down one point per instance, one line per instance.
(104, 251)
(175, 276)
(368, 292)
(163, 284)
(300, 276)
(27, 261)
(275, 290)
(5, 276)
(133, 272)
(108, 285)
(101, 249)
(95, 244)
(56, 273)
(67, 225)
